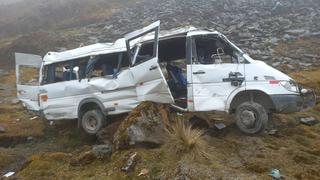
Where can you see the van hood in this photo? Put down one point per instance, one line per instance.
(262, 71)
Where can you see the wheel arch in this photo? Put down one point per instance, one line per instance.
(257, 96)
(89, 104)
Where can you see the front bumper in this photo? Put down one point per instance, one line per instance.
(290, 103)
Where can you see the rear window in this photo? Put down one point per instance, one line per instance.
(28, 75)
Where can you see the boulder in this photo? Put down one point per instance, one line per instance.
(145, 125)
(102, 151)
(130, 163)
(105, 135)
(83, 159)
(87, 155)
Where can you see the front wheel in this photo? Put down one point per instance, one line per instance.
(92, 121)
(251, 117)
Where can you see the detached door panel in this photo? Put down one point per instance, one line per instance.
(149, 81)
(27, 74)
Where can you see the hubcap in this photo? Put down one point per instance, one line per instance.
(91, 123)
(248, 118)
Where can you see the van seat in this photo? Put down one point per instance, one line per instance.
(176, 74)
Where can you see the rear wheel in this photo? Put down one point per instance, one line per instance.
(92, 121)
(251, 117)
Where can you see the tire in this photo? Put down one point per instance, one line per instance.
(92, 121)
(251, 117)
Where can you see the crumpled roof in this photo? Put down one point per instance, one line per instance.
(107, 48)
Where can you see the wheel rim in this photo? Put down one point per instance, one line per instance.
(248, 118)
(91, 123)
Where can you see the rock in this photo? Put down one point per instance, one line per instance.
(60, 49)
(102, 151)
(145, 125)
(143, 172)
(1, 71)
(220, 125)
(131, 163)
(274, 40)
(105, 135)
(199, 123)
(276, 64)
(287, 37)
(15, 101)
(83, 159)
(310, 121)
(9, 174)
(2, 129)
(295, 31)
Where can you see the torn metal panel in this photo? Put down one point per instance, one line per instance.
(107, 48)
(63, 99)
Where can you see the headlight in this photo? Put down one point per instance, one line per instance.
(290, 85)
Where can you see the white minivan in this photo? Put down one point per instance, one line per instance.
(191, 69)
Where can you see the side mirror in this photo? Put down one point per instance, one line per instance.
(76, 71)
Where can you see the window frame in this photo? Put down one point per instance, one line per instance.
(193, 48)
(52, 67)
(132, 60)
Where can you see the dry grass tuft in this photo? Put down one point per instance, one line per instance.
(183, 140)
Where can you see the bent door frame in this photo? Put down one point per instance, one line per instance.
(149, 80)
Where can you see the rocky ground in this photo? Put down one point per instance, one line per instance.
(252, 24)
(286, 37)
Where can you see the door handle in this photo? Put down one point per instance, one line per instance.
(199, 72)
(153, 67)
(22, 92)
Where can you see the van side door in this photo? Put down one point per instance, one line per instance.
(27, 79)
(149, 80)
(214, 72)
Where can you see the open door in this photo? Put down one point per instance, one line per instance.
(27, 74)
(142, 49)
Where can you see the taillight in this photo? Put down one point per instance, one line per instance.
(44, 97)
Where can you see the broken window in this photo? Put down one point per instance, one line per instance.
(144, 52)
(108, 65)
(212, 50)
(64, 71)
(28, 75)
(173, 64)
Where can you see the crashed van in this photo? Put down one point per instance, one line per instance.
(190, 69)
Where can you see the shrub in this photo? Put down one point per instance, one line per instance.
(183, 140)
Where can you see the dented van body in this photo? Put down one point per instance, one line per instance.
(191, 69)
